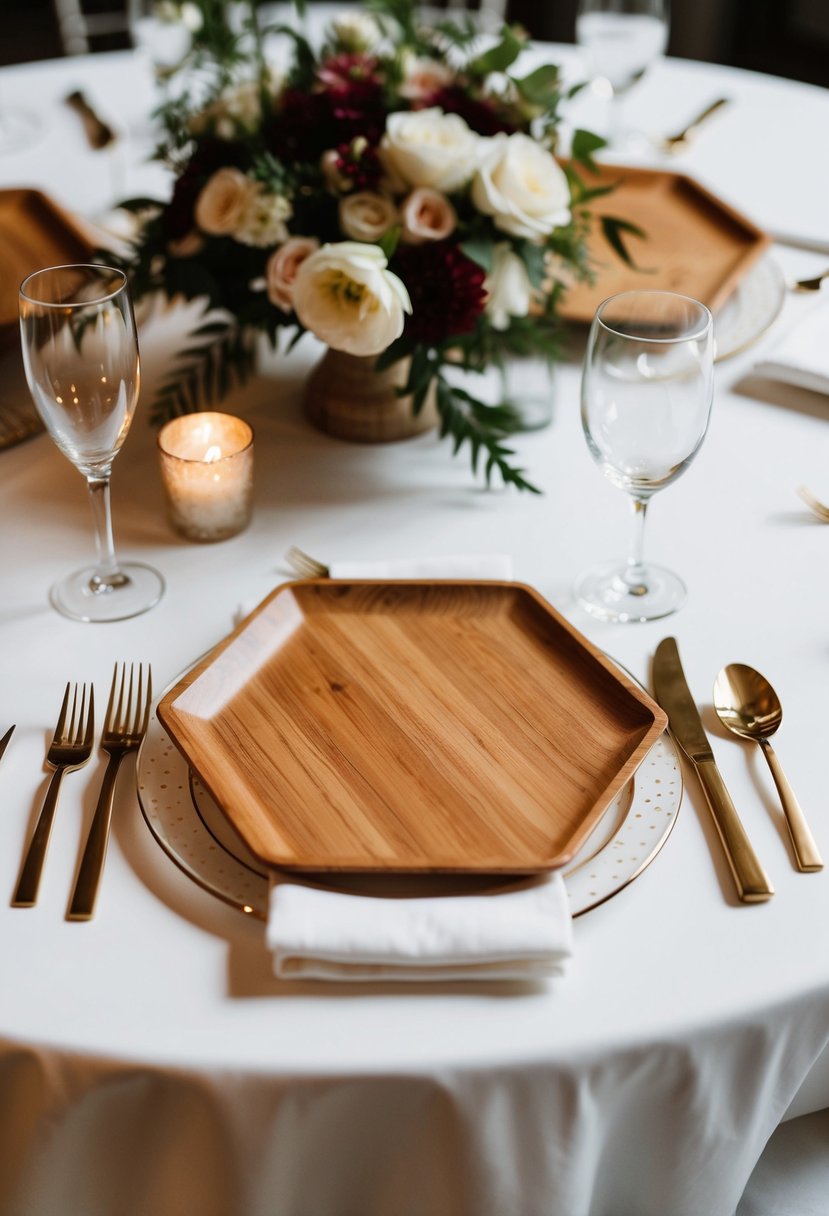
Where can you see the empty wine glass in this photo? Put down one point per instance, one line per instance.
(647, 388)
(162, 32)
(622, 38)
(80, 352)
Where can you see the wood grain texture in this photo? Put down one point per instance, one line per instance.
(694, 243)
(34, 232)
(410, 726)
(346, 397)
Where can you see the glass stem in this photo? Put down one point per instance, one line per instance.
(107, 574)
(635, 575)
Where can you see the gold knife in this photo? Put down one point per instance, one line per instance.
(673, 694)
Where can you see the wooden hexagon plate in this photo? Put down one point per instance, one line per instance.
(694, 243)
(410, 726)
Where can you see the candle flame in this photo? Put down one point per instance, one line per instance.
(213, 453)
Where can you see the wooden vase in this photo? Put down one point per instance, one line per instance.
(347, 398)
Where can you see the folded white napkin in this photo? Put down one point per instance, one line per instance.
(802, 355)
(516, 931)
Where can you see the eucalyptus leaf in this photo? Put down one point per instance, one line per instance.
(499, 57)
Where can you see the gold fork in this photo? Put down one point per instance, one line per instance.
(127, 715)
(674, 144)
(814, 284)
(70, 748)
(304, 565)
(814, 504)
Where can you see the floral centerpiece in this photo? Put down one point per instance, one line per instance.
(395, 193)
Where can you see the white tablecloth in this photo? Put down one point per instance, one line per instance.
(150, 1062)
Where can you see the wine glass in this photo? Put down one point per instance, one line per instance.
(80, 353)
(621, 38)
(647, 388)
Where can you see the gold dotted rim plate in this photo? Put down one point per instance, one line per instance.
(193, 832)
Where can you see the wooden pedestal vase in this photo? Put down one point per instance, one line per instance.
(347, 398)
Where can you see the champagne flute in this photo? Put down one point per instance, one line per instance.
(622, 38)
(646, 394)
(80, 353)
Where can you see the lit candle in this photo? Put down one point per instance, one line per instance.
(207, 471)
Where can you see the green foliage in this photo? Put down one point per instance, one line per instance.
(206, 371)
(212, 119)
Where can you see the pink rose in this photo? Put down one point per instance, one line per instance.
(427, 215)
(282, 268)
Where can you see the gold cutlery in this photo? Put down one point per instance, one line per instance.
(99, 134)
(305, 566)
(748, 706)
(4, 742)
(814, 504)
(814, 284)
(674, 696)
(70, 748)
(674, 144)
(127, 715)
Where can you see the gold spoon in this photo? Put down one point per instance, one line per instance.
(748, 705)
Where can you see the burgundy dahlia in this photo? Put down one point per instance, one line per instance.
(446, 289)
(479, 114)
(349, 71)
(359, 164)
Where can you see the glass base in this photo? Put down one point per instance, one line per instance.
(605, 593)
(77, 597)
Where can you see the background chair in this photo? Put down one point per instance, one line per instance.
(85, 24)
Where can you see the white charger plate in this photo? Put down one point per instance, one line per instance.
(193, 832)
(751, 309)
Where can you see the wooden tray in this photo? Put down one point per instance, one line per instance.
(694, 243)
(34, 232)
(410, 726)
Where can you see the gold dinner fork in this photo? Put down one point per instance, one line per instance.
(127, 715)
(674, 144)
(813, 284)
(70, 748)
(814, 504)
(304, 565)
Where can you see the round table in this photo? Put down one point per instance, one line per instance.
(151, 1062)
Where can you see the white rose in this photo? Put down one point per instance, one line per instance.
(366, 216)
(283, 267)
(262, 222)
(520, 185)
(508, 286)
(345, 294)
(222, 201)
(427, 215)
(355, 32)
(430, 148)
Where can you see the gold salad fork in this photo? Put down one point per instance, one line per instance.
(127, 715)
(70, 748)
